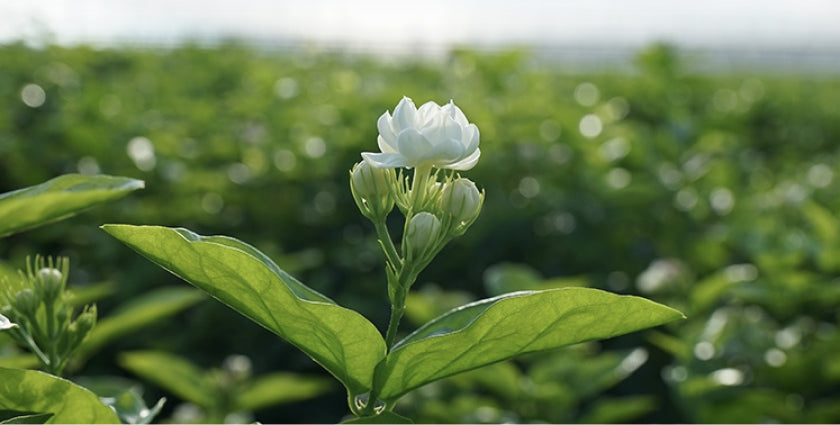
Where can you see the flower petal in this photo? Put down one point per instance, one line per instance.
(405, 115)
(440, 129)
(384, 160)
(427, 112)
(446, 151)
(471, 136)
(387, 138)
(466, 163)
(413, 146)
(455, 113)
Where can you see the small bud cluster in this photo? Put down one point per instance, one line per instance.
(37, 315)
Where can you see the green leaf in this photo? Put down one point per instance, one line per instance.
(135, 314)
(499, 328)
(28, 418)
(173, 373)
(386, 417)
(276, 388)
(38, 392)
(59, 198)
(124, 396)
(237, 274)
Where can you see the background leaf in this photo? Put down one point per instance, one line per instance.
(59, 198)
(237, 274)
(172, 372)
(135, 314)
(39, 392)
(499, 328)
(280, 387)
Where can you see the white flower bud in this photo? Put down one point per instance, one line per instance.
(371, 189)
(421, 234)
(461, 199)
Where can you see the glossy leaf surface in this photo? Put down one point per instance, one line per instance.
(237, 274)
(59, 198)
(499, 328)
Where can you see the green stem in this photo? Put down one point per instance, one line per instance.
(387, 244)
(52, 349)
(396, 316)
(418, 188)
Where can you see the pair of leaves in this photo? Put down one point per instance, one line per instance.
(351, 348)
(59, 198)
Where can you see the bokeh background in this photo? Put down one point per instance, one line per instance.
(683, 151)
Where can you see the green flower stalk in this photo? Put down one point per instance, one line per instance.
(427, 140)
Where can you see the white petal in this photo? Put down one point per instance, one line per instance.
(466, 163)
(386, 133)
(427, 112)
(455, 113)
(405, 115)
(384, 160)
(446, 151)
(440, 129)
(5, 323)
(413, 146)
(386, 147)
(471, 137)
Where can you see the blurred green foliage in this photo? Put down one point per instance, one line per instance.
(714, 194)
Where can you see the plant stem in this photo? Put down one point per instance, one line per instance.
(387, 244)
(53, 367)
(397, 312)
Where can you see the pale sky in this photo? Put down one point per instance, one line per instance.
(377, 24)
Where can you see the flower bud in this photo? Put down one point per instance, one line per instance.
(371, 188)
(461, 199)
(51, 283)
(26, 302)
(421, 234)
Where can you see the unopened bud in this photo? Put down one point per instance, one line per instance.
(461, 199)
(26, 302)
(371, 188)
(421, 234)
(51, 283)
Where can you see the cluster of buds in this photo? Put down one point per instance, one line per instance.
(35, 312)
(438, 205)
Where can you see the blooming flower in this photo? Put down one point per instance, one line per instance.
(434, 135)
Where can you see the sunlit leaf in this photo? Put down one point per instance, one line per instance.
(499, 328)
(239, 275)
(40, 393)
(59, 198)
(27, 418)
(383, 418)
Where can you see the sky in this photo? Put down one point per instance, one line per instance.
(379, 24)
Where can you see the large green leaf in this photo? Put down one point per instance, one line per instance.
(39, 392)
(59, 198)
(239, 275)
(499, 328)
(137, 313)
